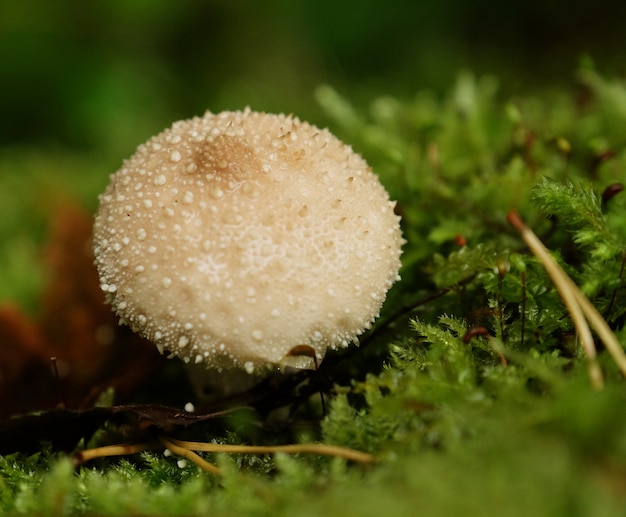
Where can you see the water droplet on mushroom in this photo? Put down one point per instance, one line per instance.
(188, 198)
(249, 190)
(249, 367)
(160, 180)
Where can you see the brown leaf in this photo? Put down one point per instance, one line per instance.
(26, 379)
(82, 330)
(76, 326)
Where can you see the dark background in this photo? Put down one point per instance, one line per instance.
(107, 74)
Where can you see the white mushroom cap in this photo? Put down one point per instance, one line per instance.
(232, 238)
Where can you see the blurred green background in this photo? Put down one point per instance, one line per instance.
(83, 83)
(108, 73)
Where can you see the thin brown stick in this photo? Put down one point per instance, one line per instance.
(305, 448)
(55, 368)
(110, 450)
(186, 452)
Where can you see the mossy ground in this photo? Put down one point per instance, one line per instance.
(504, 423)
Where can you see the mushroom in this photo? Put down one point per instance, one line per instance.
(230, 239)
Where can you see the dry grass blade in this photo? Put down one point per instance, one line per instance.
(186, 452)
(605, 333)
(569, 292)
(305, 448)
(110, 450)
